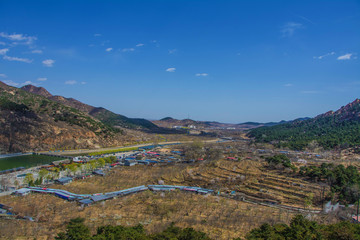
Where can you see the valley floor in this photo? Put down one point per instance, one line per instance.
(221, 218)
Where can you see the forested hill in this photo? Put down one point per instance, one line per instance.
(102, 114)
(339, 129)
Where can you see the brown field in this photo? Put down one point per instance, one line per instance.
(221, 218)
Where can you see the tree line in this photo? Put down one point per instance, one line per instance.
(344, 181)
(329, 132)
(299, 228)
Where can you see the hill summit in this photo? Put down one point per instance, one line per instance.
(333, 129)
(32, 119)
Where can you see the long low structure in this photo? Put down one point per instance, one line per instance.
(86, 199)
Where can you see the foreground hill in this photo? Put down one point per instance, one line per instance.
(102, 114)
(35, 122)
(332, 129)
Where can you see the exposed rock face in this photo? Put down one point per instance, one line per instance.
(33, 122)
(349, 112)
(37, 90)
(102, 114)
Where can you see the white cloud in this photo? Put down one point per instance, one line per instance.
(83, 83)
(97, 35)
(288, 85)
(171, 69)
(42, 79)
(325, 55)
(128, 49)
(289, 28)
(201, 74)
(28, 83)
(71, 82)
(11, 83)
(345, 57)
(18, 37)
(37, 51)
(172, 51)
(48, 62)
(109, 49)
(3, 51)
(17, 59)
(3, 75)
(140, 45)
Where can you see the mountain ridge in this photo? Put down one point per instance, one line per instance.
(340, 128)
(104, 115)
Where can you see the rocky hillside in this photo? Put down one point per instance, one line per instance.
(34, 122)
(102, 114)
(339, 129)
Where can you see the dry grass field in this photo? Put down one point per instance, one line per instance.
(220, 217)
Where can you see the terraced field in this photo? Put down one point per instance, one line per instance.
(220, 217)
(251, 178)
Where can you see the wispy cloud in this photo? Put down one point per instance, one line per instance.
(83, 83)
(28, 83)
(11, 83)
(71, 82)
(17, 59)
(109, 49)
(172, 51)
(306, 19)
(48, 62)
(325, 55)
(97, 35)
(18, 38)
(104, 42)
(3, 75)
(172, 69)
(288, 85)
(3, 51)
(42, 79)
(201, 74)
(2, 43)
(289, 28)
(156, 43)
(347, 56)
(16, 84)
(128, 49)
(140, 45)
(37, 51)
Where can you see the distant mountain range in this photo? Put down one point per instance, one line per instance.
(33, 119)
(339, 129)
(169, 122)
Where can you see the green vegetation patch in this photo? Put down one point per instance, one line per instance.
(26, 161)
(343, 181)
(329, 132)
(76, 230)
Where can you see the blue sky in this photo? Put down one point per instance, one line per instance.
(228, 61)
